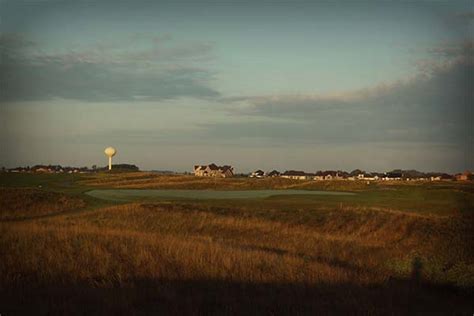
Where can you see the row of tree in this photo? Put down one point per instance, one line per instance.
(68, 169)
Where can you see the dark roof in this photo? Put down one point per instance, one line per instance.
(213, 166)
(446, 176)
(273, 173)
(294, 173)
(226, 168)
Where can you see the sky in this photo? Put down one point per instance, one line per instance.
(305, 85)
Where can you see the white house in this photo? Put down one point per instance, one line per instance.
(297, 175)
(213, 170)
(257, 174)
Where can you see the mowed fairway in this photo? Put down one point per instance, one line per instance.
(391, 248)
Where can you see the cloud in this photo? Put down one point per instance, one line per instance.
(465, 16)
(435, 106)
(159, 70)
(196, 51)
(463, 50)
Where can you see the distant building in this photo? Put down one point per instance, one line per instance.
(367, 176)
(257, 174)
(319, 175)
(327, 175)
(333, 175)
(41, 169)
(446, 177)
(392, 176)
(213, 170)
(466, 175)
(273, 173)
(330, 175)
(297, 175)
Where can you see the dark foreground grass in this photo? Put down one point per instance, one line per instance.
(215, 297)
(25, 203)
(59, 182)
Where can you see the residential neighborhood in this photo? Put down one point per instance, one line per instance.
(213, 170)
(227, 171)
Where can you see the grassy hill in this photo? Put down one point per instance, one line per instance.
(390, 249)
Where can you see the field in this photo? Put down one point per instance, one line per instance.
(391, 248)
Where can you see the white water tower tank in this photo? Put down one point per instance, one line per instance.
(110, 152)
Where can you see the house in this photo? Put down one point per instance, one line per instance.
(41, 169)
(296, 175)
(341, 175)
(273, 173)
(446, 177)
(332, 175)
(328, 175)
(201, 171)
(466, 175)
(392, 176)
(367, 176)
(257, 174)
(319, 175)
(213, 170)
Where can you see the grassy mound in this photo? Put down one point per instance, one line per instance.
(21, 203)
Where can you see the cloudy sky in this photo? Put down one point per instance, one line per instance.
(305, 85)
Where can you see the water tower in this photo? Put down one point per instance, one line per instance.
(110, 152)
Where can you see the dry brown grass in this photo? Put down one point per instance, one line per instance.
(187, 258)
(17, 203)
(147, 180)
(359, 238)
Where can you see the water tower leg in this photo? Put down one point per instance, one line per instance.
(110, 163)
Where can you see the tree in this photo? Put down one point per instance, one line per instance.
(356, 172)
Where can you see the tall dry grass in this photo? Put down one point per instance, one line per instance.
(191, 243)
(147, 180)
(18, 203)
(185, 257)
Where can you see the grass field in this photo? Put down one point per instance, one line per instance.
(391, 248)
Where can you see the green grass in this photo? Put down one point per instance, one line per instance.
(445, 198)
(59, 182)
(64, 183)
